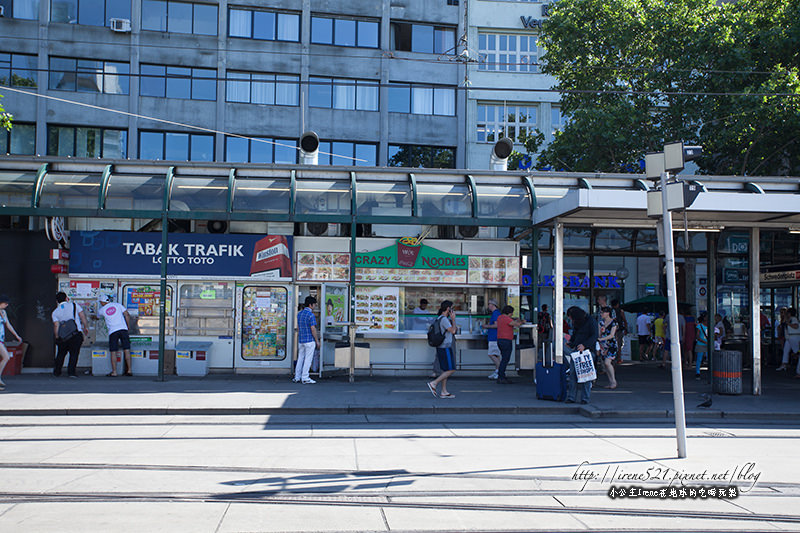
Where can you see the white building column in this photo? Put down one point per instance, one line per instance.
(755, 307)
(558, 298)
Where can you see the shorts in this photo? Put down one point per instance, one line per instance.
(644, 340)
(659, 340)
(119, 340)
(447, 360)
(494, 349)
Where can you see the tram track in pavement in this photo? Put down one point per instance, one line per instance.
(382, 500)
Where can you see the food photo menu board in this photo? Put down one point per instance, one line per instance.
(406, 275)
(379, 307)
(494, 270)
(328, 266)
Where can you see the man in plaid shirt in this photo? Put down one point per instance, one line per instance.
(307, 341)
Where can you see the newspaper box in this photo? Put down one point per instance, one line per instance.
(191, 358)
(101, 362)
(144, 356)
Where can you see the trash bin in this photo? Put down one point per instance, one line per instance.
(17, 353)
(726, 372)
(191, 358)
(101, 362)
(341, 355)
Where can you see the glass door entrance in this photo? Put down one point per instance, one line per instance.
(263, 326)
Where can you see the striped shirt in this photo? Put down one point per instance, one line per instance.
(305, 320)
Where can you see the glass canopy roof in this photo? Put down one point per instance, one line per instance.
(141, 190)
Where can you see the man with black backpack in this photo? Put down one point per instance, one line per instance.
(69, 326)
(442, 336)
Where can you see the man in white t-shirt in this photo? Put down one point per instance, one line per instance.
(643, 331)
(117, 320)
(64, 312)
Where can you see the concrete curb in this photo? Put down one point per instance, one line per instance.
(588, 411)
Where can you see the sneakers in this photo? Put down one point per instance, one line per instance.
(308, 381)
(295, 380)
(493, 375)
(782, 367)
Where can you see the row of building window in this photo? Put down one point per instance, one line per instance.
(109, 143)
(202, 19)
(165, 81)
(514, 121)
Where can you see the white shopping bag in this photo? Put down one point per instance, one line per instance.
(584, 366)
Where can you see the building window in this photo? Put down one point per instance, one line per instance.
(425, 38)
(89, 12)
(178, 82)
(419, 156)
(513, 121)
(20, 140)
(18, 70)
(348, 153)
(269, 89)
(173, 146)
(508, 53)
(84, 75)
(422, 100)
(69, 141)
(556, 119)
(340, 93)
(265, 25)
(179, 17)
(20, 9)
(260, 150)
(344, 32)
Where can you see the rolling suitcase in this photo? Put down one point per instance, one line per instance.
(551, 380)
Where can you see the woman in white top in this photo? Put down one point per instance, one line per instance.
(792, 343)
(4, 323)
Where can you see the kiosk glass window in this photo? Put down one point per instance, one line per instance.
(646, 240)
(452, 200)
(16, 188)
(379, 198)
(264, 317)
(144, 193)
(70, 190)
(577, 238)
(261, 195)
(143, 303)
(328, 197)
(206, 309)
(512, 201)
(199, 194)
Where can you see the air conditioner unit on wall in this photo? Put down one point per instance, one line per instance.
(318, 229)
(121, 25)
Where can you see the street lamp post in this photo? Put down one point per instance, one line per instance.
(658, 166)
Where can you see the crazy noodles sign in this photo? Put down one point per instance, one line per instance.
(408, 254)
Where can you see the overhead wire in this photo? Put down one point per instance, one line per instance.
(165, 121)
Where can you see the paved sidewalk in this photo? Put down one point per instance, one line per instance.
(645, 391)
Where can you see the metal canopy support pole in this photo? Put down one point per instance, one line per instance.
(162, 318)
(352, 328)
(558, 304)
(713, 245)
(755, 306)
(674, 334)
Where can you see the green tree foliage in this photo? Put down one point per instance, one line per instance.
(5, 118)
(635, 74)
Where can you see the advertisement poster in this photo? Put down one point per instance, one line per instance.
(335, 305)
(377, 308)
(323, 266)
(145, 300)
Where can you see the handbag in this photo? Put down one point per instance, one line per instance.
(67, 329)
(584, 366)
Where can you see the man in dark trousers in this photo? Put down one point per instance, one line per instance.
(63, 312)
(584, 337)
